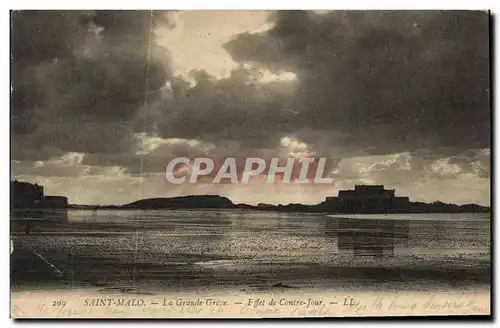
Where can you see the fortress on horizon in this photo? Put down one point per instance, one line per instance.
(367, 198)
(24, 195)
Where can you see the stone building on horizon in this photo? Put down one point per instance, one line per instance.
(25, 195)
(367, 199)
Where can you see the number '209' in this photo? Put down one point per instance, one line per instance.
(59, 303)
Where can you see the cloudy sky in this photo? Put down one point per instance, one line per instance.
(102, 101)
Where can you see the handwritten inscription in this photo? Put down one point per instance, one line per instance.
(260, 306)
(432, 304)
(61, 312)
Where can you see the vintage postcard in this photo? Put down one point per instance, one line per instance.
(250, 164)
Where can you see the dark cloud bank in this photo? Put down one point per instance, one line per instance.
(367, 83)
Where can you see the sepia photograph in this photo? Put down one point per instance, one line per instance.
(236, 164)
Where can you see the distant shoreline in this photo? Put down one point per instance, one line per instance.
(218, 203)
(363, 199)
(230, 210)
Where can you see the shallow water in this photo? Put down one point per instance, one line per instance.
(177, 250)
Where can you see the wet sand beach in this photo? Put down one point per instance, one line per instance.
(147, 252)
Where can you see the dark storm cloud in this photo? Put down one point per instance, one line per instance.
(385, 81)
(367, 83)
(471, 161)
(79, 77)
(237, 108)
